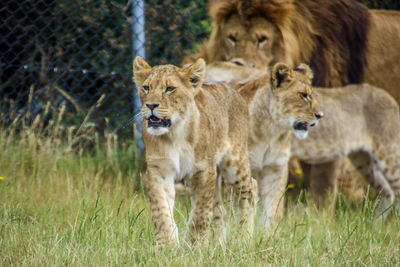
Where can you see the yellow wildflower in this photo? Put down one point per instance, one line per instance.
(1, 178)
(299, 172)
(291, 186)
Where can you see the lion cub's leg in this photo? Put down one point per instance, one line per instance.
(235, 169)
(202, 186)
(370, 167)
(161, 192)
(272, 181)
(219, 211)
(388, 159)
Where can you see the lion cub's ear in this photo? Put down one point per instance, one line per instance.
(281, 73)
(195, 73)
(306, 71)
(141, 70)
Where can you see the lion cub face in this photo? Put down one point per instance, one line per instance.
(296, 102)
(166, 92)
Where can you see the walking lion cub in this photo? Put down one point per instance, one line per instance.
(280, 106)
(190, 129)
(360, 121)
(363, 123)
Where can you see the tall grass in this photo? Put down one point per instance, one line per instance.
(61, 204)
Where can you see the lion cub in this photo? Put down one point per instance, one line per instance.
(279, 105)
(190, 129)
(362, 122)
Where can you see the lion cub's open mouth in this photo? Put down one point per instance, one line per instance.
(300, 126)
(300, 129)
(156, 122)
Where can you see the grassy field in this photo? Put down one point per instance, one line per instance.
(62, 206)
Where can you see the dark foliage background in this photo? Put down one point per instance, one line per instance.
(71, 52)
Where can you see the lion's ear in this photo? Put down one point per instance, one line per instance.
(195, 73)
(306, 71)
(141, 70)
(281, 73)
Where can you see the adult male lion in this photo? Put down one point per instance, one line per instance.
(342, 41)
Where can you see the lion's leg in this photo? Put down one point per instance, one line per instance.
(392, 172)
(235, 168)
(388, 159)
(161, 193)
(202, 186)
(349, 180)
(272, 181)
(219, 212)
(323, 183)
(351, 183)
(370, 167)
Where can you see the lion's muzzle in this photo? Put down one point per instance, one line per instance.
(155, 122)
(300, 126)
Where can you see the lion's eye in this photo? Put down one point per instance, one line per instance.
(262, 40)
(305, 96)
(169, 89)
(232, 39)
(146, 88)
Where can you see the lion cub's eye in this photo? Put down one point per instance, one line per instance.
(305, 96)
(170, 89)
(146, 88)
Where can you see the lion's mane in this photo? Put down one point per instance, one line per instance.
(331, 36)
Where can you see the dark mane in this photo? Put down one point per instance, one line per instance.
(341, 42)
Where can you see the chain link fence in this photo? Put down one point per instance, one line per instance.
(71, 52)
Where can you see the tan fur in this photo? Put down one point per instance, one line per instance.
(271, 31)
(276, 103)
(207, 130)
(342, 40)
(229, 72)
(349, 181)
(382, 68)
(362, 122)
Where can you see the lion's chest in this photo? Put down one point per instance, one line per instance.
(183, 160)
(269, 147)
(264, 155)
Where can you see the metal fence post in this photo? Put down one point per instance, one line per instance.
(139, 49)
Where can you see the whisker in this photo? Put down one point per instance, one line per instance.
(139, 117)
(163, 112)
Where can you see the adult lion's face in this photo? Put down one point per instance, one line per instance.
(250, 43)
(166, 93)
(295, 100)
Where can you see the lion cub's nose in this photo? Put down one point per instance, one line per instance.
(152, 106)
(319, 115)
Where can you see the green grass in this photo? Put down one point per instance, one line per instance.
(63, 206)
